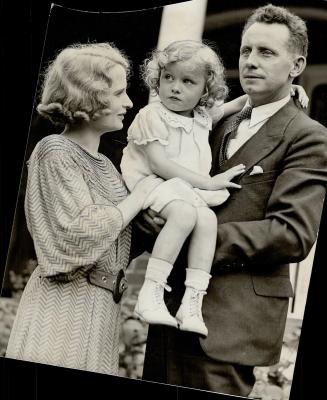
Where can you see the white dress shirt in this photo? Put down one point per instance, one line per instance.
(249, 127)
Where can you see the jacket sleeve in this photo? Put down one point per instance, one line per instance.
(291, 221)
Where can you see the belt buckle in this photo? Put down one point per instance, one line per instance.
(120, 284)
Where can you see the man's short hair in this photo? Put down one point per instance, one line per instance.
(270, 14)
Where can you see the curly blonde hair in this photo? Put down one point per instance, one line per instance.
(77, 82)
(202, 54)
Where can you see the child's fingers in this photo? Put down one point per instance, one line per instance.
(235, 171)
(233, 185)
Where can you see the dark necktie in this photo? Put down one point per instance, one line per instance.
(231, 130)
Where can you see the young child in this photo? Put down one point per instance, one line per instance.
(169, 139)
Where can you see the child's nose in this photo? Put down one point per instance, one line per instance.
(175, 87)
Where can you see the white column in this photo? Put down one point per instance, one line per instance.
(182, 21)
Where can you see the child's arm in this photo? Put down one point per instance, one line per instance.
(168, 169)
(300, 93)
(218, 110)
(234, 106)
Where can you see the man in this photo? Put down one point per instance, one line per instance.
(271, 221)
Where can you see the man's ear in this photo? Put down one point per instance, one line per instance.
(299, 63)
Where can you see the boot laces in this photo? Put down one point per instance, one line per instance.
(196, 302)
(159, 292)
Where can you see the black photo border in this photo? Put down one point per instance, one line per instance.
(23, 31)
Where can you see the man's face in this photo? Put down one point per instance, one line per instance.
(265, 62)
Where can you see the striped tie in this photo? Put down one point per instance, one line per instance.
(231, 130)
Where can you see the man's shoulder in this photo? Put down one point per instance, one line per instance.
(302, 122)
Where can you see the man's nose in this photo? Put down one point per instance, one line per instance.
(252, 60)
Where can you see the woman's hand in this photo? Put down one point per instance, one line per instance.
(144, 187)
(150, 222)
(223, 181)
(133, 203)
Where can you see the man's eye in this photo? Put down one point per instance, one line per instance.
(245, 51)
(266, 52)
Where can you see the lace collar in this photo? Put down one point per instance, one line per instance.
(175, 120)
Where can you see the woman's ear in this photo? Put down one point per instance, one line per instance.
(299, 64)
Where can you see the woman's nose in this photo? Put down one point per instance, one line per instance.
(128, 102)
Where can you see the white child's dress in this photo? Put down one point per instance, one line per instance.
(185, 141)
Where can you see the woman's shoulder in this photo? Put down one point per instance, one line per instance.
(52, 143)
(52, 146)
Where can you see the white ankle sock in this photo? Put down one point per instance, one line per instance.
(158, 270)
(197, 279)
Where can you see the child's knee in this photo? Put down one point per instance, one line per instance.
(206, 219)
(183, 214)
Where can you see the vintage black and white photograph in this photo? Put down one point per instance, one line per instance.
(171, 194)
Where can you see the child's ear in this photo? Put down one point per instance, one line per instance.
(299, 64)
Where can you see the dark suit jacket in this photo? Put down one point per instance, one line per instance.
(272, 221)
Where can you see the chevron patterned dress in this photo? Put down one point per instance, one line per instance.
(71, 213)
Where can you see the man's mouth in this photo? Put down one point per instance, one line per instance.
(252, 76)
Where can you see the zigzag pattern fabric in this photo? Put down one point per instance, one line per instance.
(71, 213)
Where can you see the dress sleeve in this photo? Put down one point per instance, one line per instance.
(148, 126)
(69, 230)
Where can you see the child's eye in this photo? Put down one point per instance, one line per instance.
(168, 77)
(188, 81)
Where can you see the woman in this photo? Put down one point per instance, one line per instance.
(77, 212)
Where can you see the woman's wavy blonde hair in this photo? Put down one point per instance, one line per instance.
(77, 82)
(203, 56)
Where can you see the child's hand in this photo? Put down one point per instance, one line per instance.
(297, 90)
(222, 181)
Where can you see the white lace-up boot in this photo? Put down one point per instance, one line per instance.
(189, 314)
(150, 306)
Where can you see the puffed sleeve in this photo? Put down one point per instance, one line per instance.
(148, 126)
(69, 230)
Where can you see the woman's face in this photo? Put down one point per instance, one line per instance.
(118, 101)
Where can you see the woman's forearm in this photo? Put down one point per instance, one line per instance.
(130, 207)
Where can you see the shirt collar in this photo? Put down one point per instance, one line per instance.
(261, 113)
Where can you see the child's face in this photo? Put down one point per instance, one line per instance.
(181, 86)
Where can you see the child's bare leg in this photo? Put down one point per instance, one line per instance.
(200, 256)
(203, 240)
(180, 221)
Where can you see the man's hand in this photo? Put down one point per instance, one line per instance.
(149, 222)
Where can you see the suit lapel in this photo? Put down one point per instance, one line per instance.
(260, 144)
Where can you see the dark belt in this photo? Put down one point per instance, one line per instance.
(116, 283)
